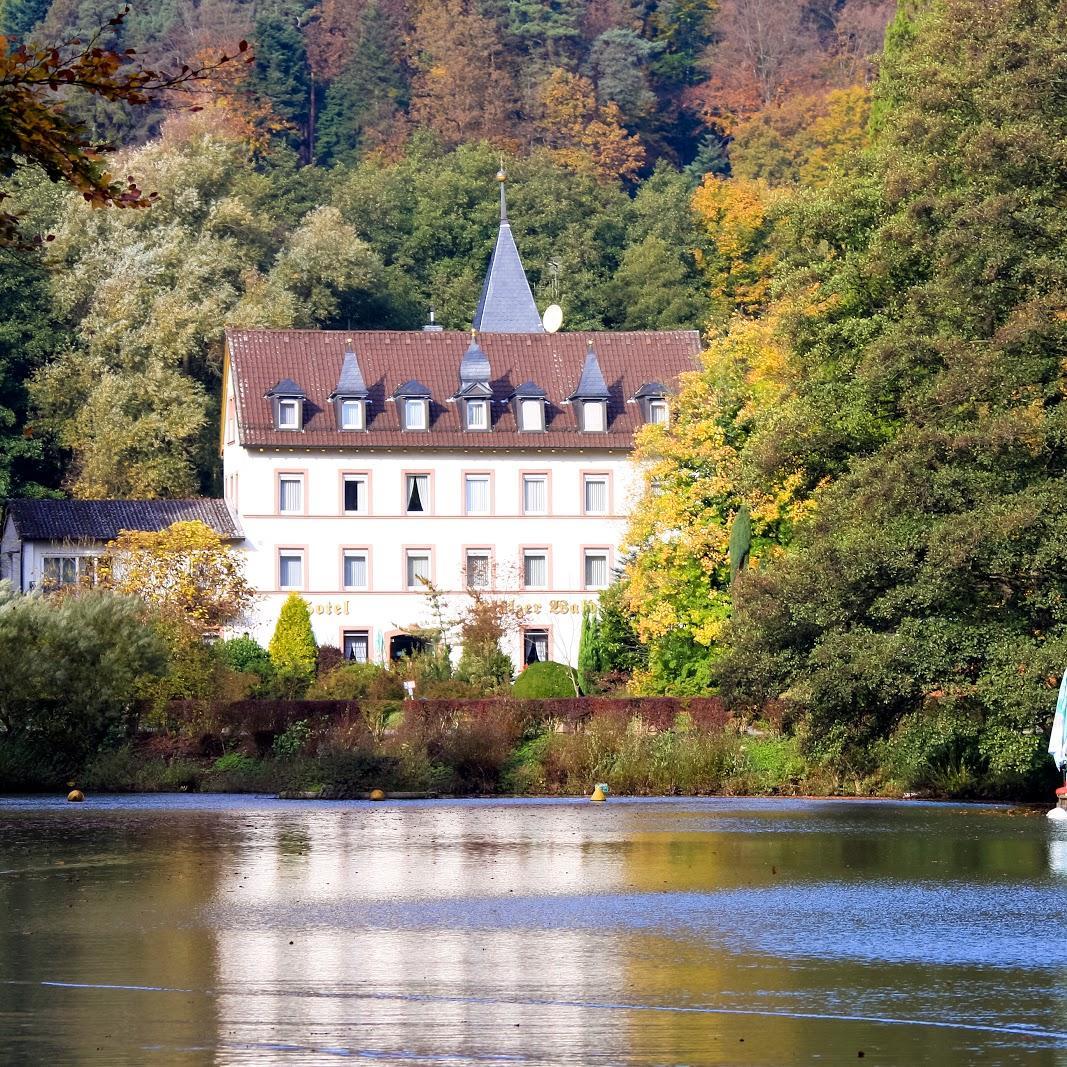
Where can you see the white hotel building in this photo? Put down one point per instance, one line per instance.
(360, 466)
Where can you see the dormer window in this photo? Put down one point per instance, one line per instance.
(412, 401)
(289, 414)
(591, 396)
(652, 396)
(349, 396)
(477, 414)
(529, 403)
(287, 405)
(413, 412)
(531, 415)
(594, 416)
(352, 415)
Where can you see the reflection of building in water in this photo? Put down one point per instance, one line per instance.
(405, 930)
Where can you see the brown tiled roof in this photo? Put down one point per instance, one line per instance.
(260, 358)
(101, 520)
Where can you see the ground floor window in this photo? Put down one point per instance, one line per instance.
(534, 646)
(356, 646)
(67, 570)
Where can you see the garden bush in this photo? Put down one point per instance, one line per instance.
(545, 681)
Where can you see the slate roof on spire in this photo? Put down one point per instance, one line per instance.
(591, 384)
(474, 366)
(350, 383)
(506, 304)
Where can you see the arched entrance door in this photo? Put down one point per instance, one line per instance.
(406, 645)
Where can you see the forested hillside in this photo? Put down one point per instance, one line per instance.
(344, 179)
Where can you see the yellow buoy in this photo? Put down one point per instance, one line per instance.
(377, 794)
(75, 795)
(598, 794)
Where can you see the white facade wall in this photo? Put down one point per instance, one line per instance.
(321, 531)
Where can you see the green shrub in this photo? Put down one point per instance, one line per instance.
(293, 741)
(27, 764)
(234, 761)
(357, 681)
(247, 656)
(545, 681)
(936, 748)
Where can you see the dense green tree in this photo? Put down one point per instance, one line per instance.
(932, 575)
(71, 669)
(283, 75)
(360, 105)
(19, 17)
(618, 63)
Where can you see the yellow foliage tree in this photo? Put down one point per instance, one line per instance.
(583, 134)
(460, 89)
(737, 214)
(187, 571)
(802, 138)
(677, 579)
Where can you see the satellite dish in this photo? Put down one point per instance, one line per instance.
(553, 319)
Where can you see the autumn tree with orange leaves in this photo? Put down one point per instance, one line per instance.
(35, 127)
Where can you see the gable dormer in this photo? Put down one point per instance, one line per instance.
(590, 397)
(528, 404)
(349, 397)
(652, 398)
(474, 394)
(287, 405)
(412, 399)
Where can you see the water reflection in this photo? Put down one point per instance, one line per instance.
(699, 932)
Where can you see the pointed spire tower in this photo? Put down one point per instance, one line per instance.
(506, 304)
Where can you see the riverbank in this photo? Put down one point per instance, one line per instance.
(492, 747)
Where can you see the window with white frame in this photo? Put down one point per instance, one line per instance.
(534, 646)
(535, 568)
(535, 494)
(290, 569)
(355, 494)
(478, 569)
(288, 414)
(594, 415)
(476, 493)
(596, 494)
(355, 645)
(290, 493)
(351, 414)
(531, 415)
(414, 414)
(418, 568)
(417, 493)
(355, 568)
(67, 570)
(657, 412)
(596, 569)
(477, 414)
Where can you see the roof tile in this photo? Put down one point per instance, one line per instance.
(392, 359)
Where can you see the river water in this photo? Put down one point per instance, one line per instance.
(239, 930)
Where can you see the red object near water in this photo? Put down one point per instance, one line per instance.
(1062, 791)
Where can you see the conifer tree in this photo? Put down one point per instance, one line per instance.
(292, 647)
